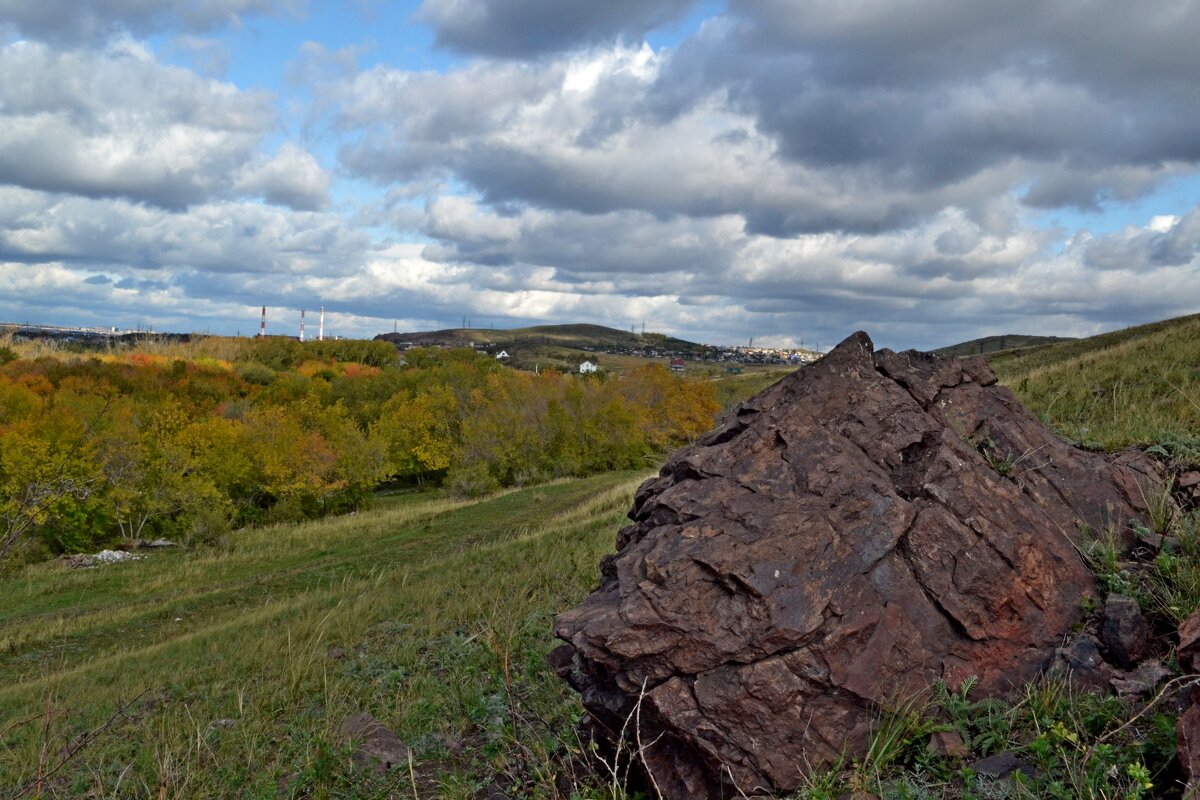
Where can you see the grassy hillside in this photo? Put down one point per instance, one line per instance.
(577, 336)
(558, 347)
(992, 344)
(226, 672)
(564, 347)
(1140, 385)
(431, 614)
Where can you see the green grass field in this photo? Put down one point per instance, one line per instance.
(226, 672)
(432, 614)
(1140, 385)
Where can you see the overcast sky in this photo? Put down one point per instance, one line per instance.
(792, 170)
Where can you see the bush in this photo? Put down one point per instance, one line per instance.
(258, 374)
(472, 480)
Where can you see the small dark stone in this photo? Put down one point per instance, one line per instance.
(374, 746)
(493, 792)
(1142, 680)
(1150, 539)
(1080, 661)
(1002, 765)
(948, 744)
(287, 784)
(1187, 744)
(1189, 642)
(1123, 631)
(453, 746)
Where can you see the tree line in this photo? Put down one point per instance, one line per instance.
(95, 448)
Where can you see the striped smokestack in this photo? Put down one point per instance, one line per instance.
(321, 326)
(262, 326)
(302, 324)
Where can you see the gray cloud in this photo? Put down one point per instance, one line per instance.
(229, 237)
(70, 21)
(580, 247)
(528, 28)
(1168, 242)
(116, 123)
(292, 178)
(209, 57)
(791, 170)
(864, 117)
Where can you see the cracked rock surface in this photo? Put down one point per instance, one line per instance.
(868, 525)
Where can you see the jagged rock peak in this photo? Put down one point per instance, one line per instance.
(872, 523)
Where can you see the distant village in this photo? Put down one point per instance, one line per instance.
(678, 358)
(717, 354)
(731, 357)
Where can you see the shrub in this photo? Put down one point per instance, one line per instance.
(258, 374)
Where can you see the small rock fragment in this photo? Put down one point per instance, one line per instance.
(1187, 744)
(1150, 539)
(373, 745)
(494, 792)
(1189, 642)
(948, 744)
(287, 785)
(1142, 680)
(1123, 631)
(1080, 662)
(1001, 765)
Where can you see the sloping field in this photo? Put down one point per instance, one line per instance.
(574, 336)
(992, 344)
(1140, 385)
(236, 667)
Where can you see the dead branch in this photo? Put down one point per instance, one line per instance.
(75, 747)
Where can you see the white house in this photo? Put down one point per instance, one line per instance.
(501, 355)
(587, 367)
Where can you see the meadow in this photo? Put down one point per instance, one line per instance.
(227, 670)
(1137, 386)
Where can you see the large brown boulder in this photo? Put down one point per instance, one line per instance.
(872, 523)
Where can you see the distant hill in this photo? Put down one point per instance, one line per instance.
(992, 344)
(1140, 385)
(574, 337)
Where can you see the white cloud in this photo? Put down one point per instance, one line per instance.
(789, 171)
(292, 178)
